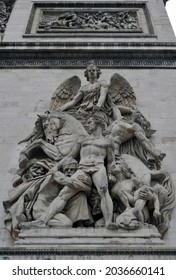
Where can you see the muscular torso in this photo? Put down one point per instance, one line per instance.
(122, 131)
(93, 151)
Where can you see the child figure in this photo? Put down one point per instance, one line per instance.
(126, 183)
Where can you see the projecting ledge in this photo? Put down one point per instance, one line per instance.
(87, 238)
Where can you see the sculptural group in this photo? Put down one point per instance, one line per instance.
(89, 162)
(95, 21)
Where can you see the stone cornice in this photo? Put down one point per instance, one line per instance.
(77, 55)
(84, 45)
(133, 251)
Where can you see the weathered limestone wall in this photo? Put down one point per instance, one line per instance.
(25, 93)
(19, 20)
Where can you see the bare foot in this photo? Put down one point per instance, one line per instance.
(25, 225)
(33, 224)
(38, 224)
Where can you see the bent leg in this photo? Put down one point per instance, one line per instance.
(58, 204)
(116, 191)
(139, 205)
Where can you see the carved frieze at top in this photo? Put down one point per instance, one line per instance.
(97, 21)
(11, 57)
(89, 19)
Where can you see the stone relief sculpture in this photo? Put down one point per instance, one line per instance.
(90, 162)
(95, 21)
(5, 10)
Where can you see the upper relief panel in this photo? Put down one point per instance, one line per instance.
(61, 21)
(80, 19)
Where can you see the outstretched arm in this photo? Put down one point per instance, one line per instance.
(119, 110)
(73, 102)
(138, 132)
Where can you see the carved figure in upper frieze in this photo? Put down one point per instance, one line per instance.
(65, 20)
(95, 21)
(126, 20)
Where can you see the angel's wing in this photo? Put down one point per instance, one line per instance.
(64, 93)
(121, 91)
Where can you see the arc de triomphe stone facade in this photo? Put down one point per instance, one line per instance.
(88, 133)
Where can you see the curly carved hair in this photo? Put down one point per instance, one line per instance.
(92, 63)
(99, 120)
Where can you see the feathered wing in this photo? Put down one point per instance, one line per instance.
(121, 92)
(65, 92)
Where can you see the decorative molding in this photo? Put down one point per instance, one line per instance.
(129, 45)
(156, 252)
(107, 56)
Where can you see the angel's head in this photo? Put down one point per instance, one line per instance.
(92, 71)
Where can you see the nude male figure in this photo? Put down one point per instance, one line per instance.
(122, 131)
(93, 151)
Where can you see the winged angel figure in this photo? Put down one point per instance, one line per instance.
(89, 127)
(97, 95)
(113, 101)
